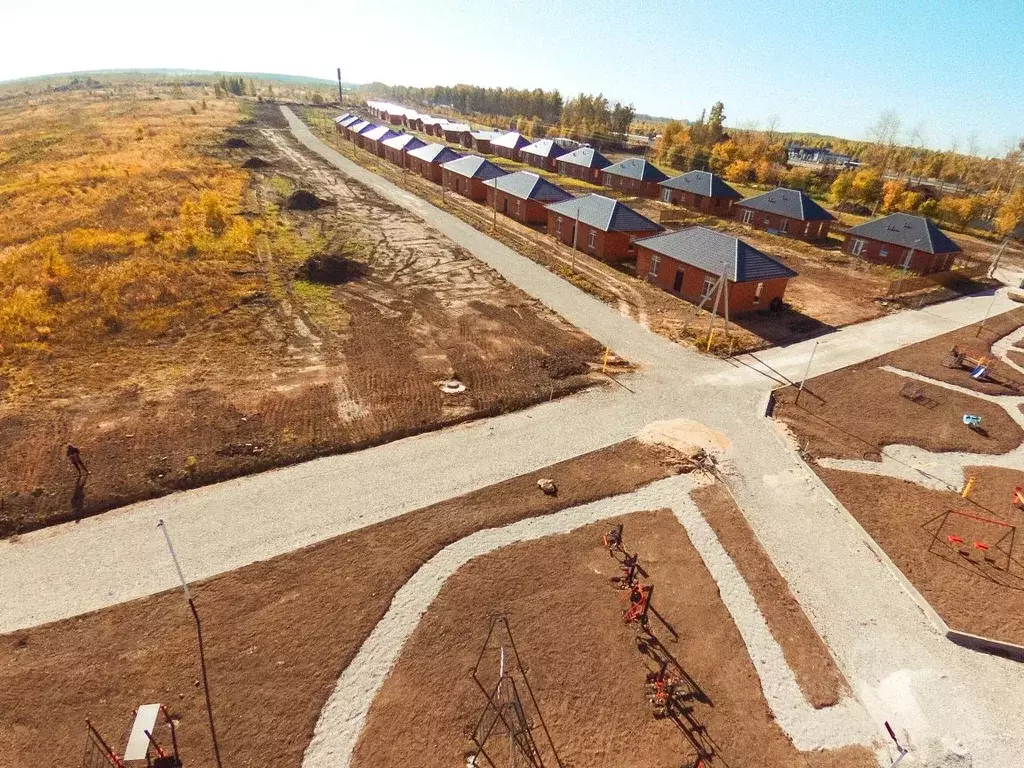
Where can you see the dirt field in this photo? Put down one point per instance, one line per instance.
(104, 664)
(808, 656)
(583, 663)
(272, 364)
(971, 595)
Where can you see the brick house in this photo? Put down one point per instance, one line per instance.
(397, 147)
(523, 196)
(634, 176)
(427, 161)
(340, 119)
(480, 141)
(457, 133)
(373, 140)
(542, 154)
(701, 191)
(508, 145)
(350, 125)
(432, 126)
(585, 164)
(690, 262)
(357, 130)
(600, 226)
(902, 240)
(787, 212)
(467, 175)
(394, 115)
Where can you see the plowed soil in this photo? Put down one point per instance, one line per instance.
(277, 633)
(969, 593)
(583, 663)
(816, 672)
(295, 371)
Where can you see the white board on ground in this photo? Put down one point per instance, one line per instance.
(138, 741)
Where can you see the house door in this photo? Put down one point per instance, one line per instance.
(677, 284)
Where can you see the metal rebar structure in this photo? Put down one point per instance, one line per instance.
(508, 717)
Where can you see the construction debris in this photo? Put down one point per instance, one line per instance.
(548, 486)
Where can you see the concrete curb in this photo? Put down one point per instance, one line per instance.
(963, 639)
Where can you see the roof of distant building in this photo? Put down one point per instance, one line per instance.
(510, 140)
(435, 153)
(790, 203)
(702, 183)
(529, 186)
(544, 148)
(605, 214)
(404, 141)
(907, 230)
(713, 251)
(636, 168)
(588, 157)
(474, 167)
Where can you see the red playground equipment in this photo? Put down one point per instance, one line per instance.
(974, 548)
(639, 600)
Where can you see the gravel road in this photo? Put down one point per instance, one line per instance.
(945, 701)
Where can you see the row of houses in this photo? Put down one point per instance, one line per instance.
(610, 230)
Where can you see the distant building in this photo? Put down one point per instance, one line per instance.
(585, 164)
(508, 145)
(600, 226)
(523, 196)
(904, 241)
(480, 141)
(467, 175)
(373, 140)
(634, 176)
(787, 212)
(396, 148)
(689, 263)
(542, 154)
(433, 126)
(457, 133)
(427, 161)
(819, 155)
(700, 191)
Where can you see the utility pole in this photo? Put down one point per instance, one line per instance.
(199, 633)
(906, 265)
(807, 372)
(999, 255)
(341, 94)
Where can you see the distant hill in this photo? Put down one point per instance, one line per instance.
(146, 74)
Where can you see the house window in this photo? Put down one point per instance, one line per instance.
(655, 261)
(785, 226)
(558, 226)
(748, 216)
(519, 207)
(767, 219)
(709, 288)
(858, 247)
(807, 229)
(883, 253)
(666, 195)
(757, 293)
(592, 239)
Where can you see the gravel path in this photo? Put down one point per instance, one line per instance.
(1001, 347)
(945, 700)
(342, 718)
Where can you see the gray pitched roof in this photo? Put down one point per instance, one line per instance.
(349, 121)
(488, 135)
(544, 148)
(343, 117)
(605, 214)
(529, 186)
(909, 231)
(510, 140)
(702, 183)
(457, 127)
(380, 133)
(709, 250)
(588, 157)
(636, 168)
(362, 126)
(791, 203)
(474, 167)
(435, 153)
(405, 141)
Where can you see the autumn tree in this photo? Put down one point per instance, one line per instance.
(866, 187)
(842, 187)
(1011, 213)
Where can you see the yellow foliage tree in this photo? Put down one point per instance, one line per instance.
(1011, 213)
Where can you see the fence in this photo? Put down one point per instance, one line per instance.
(969, 269)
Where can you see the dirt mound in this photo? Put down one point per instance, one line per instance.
(256, 162)
(301, 200)
(331, 269)
(236, 143)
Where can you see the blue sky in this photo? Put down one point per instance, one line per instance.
(954, 68)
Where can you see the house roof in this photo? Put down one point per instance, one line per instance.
(361, 126)
(791, 203)
(349, 121)
(636, 168)
(907, 230)
(544, 148)
(529, 186)
(435, 153)
(588, 157)
(710, 251)
(510, 140)
(702, 183)
(605, 214)
(345, 116)
(474, 167)
(428, 120)
(404, 141)
(457, 127)
(380, 133)
(488, 135)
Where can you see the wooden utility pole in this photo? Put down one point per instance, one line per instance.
(341, 93)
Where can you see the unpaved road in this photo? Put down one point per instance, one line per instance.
(944, 700)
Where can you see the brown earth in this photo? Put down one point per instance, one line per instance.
(806, 653)
(583, 663)
(277, 633)
(296, 370)
(927, 357)
(970, 594)
(854, 412)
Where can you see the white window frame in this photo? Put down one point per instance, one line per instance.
(883, 253)
(807, 229)
(748, 216)
(767, 219)
(757, 293)
(666, 195)
(858, 246)
(708, 289)
(558, 225)
(519, 207)
(655, 263)
(785, 226)
(592, 239)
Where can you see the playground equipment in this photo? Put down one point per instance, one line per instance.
(974, 549)
(973, 422)
(638, 599)
(915, 394)
(980, 367)
(142, 743)
(613, 540)
(508, 717)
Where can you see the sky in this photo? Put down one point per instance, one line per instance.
(952, 69)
